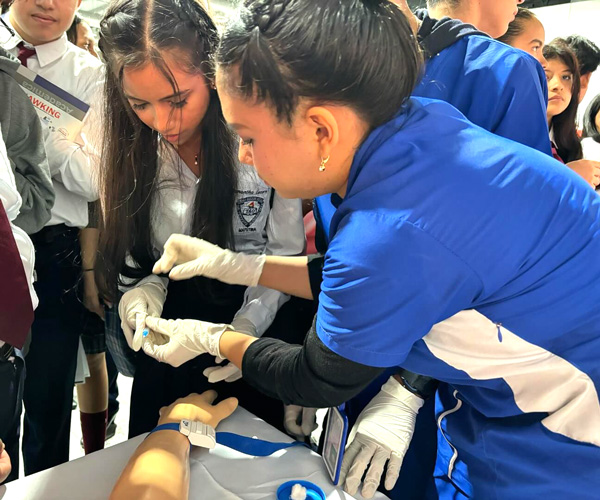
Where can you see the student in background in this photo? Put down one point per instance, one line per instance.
(24, 140)
(562, 73)
(588, 57)
(27, 172)
(591, 130)
(503, 92)
(97, 396)
(169, 165)
(17, 302)
(92, 395)
(41, 44)
(80, 33)
(527, 33)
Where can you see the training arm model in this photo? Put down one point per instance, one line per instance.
(160, 466)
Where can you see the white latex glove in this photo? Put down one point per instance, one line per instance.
(187, 338)
(230, 372)
(381, 434)
(299, 421)
(135, 305)
(195, 257)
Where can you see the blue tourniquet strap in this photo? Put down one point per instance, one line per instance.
(243, 444)
(162, 427)
(252, 446)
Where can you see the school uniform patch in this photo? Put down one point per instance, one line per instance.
(249, 208)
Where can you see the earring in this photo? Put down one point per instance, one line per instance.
(323, 163)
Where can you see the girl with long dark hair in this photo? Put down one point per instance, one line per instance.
(170, 166)
(454, 253)
(527, 33)
(562, 73)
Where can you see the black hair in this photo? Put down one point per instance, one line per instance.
(72, 31)
(586, 51)
(517, 26)
(5, 5)
(134, 33)
(360, 53)
(589, 119)
(563, 125)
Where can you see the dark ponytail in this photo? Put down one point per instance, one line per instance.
(360, 53)
(134, 33)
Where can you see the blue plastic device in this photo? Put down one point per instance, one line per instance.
(335, 442)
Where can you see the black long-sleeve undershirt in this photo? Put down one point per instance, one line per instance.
(311, 375)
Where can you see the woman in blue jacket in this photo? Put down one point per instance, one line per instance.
(453, 252)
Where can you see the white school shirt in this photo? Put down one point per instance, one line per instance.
(72, 164)
(591, 149)
(11, 200)
(259, 226)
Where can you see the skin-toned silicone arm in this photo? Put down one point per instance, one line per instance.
(160, 466)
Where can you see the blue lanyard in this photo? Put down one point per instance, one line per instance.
(243, 444)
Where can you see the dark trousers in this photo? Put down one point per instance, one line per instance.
(157, 384)
(52, 357)
(12, 374)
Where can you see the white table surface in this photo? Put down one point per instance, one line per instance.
(218, 474)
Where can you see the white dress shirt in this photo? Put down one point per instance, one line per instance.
(591, 149)
(259, 226)
(72, 164)
(11, 200)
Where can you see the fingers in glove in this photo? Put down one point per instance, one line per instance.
(309, 421)
(290, 420)
(160, 353)
(358, 467)
(151, 349)
(140, 326)
(373, 477)
(349, 456)
(128, 332)
(164, 326)
(187, 270)
(216, 374)
(234, 376)
(167, 259)
(393, 471)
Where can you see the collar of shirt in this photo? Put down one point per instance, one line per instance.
(46, 53)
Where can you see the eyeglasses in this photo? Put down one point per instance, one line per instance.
(5, 34)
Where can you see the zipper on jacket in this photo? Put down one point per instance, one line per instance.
(442, 416)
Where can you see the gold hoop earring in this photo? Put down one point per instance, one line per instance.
(323, 163)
